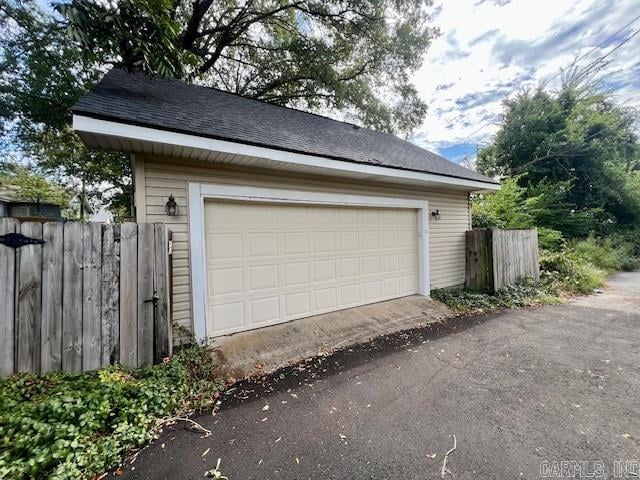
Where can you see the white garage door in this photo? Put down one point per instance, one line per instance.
(269, 263)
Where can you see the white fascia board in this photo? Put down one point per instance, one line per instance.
(116, 129)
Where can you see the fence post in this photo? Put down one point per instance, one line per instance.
(7, 300)
(479, 260)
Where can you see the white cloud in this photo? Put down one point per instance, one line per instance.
(492, 48)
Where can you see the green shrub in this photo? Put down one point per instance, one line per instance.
(64, 426)
(565, 271)
(525, 294)
(549, 239)
(612, 253)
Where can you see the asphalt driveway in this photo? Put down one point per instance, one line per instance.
(521, 390)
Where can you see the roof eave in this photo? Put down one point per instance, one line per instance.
(125, 137)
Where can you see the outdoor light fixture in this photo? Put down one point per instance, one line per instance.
(171, 207)
(435, 214)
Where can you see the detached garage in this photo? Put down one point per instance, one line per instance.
(279, 214)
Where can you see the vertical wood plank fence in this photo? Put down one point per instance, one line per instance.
(88, 296)
(498, 258)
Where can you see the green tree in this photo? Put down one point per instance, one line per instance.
(31, 186)
(579, 138)
(352, 56)
(42, 75)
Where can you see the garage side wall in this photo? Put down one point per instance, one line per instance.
(157, 177)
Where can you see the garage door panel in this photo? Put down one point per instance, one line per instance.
(297, 304)
(229, 316)
(349, 267)
(348, 241)
(226, 280)
(295, 243)
(263, 277)
(295, 274)
(269, 263)
(265, 310)
(228, 246)
(350, 294)
(324, 270)
(324, 242)
(326, 299)
(263, 244)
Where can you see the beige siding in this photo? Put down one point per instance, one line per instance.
(164, 176)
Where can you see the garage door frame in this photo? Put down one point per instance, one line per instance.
(199, 192)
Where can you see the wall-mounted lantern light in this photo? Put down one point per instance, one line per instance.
(435, 214)
(171, 207)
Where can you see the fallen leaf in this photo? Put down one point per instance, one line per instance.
(342, 436)
(265, 408)
(264, 419)
(431, 455)
(278, 439)
(205, 452)
(294, 395)
(626, 435)
(297, 461)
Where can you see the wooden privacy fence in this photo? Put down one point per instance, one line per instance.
(79, 296)
(498, 258)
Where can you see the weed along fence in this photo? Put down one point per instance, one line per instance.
(79, 296)
(498, 258)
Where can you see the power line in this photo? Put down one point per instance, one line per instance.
(598, 45)
(566, 153)
(600, 59)
(476, 131)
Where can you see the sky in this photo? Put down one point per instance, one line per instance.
(490, 49)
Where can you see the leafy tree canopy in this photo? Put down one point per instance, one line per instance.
(352, 56)
(576, 149)
(31, 186)
(42, 74)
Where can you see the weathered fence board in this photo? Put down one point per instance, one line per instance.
(29, 305)
(7, 299)
(145, 293)
(129, 294)
(88, 296)
(72, 298)
(162, 325)
(479, 268)
(515, 256)
(91, 298)
(51, 330)
(110, 295)
(498, 258)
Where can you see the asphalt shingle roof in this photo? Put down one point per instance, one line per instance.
(179, 107)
